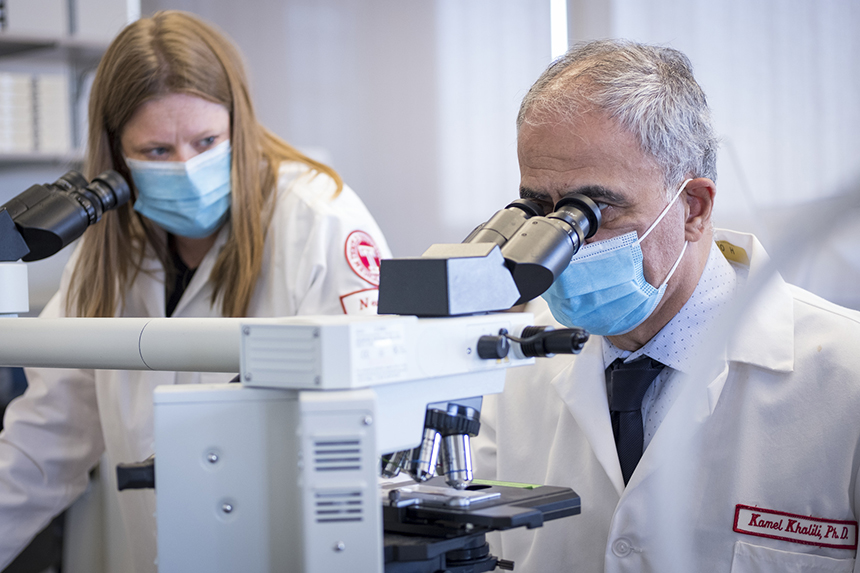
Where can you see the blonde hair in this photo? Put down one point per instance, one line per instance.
(175, 52)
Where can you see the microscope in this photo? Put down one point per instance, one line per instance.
(280, 471)
(46, 218)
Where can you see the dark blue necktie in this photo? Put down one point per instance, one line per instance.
(627, 385)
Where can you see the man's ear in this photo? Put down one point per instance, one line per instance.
(699, 194)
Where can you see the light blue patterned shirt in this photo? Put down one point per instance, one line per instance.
(672, 345)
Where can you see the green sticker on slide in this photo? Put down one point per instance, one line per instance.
(504, 483)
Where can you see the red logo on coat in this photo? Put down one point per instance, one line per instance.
(363, 257)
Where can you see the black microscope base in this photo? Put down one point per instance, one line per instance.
(422, 538)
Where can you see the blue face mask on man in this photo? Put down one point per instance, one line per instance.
(603, 289)
(189, 199)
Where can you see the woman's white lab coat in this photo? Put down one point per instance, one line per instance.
(318, 260)
(767, 432)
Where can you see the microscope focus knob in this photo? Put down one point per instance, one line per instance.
(139, 475)
(493, 347)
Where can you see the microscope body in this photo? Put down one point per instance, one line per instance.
(280, 472)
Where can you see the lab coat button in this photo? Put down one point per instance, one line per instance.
(622, 547)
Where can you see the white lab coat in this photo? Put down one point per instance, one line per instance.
(58, 430)
(772, 423)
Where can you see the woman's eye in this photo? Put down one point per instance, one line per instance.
(207, 141)
(156, 152)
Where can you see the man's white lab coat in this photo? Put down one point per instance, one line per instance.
(765, 440)
(318, 260)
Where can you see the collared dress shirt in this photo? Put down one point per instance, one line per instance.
(672, 345)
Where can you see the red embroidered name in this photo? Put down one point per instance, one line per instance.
(796, 528)
(360, 302)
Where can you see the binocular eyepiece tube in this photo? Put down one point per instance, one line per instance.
(538, 248)
(51, 216)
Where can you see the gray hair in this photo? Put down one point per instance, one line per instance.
(649, 90)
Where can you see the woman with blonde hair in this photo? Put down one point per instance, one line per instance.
(225, 219)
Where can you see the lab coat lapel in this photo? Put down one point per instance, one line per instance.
(146, 297)
(582, 387)
(760, 332)
(201, 275)
(763, 333)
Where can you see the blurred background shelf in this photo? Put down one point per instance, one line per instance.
(11, 160)
(16, 44)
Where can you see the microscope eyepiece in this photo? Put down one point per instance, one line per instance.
(71, 181)
(579, 210)
(52, 215)
(542, 247)
(531, 208)
(504, 224)
(111, 189)
(467, 278)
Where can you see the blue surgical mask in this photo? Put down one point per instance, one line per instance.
(190, 198)
(603, 289)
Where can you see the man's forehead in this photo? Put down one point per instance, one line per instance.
(563, 125)
(590, 154)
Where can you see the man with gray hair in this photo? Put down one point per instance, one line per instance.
(690, 452)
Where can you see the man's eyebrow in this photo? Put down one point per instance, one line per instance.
(526, 193)
(597, 193)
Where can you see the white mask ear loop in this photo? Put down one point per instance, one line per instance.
(666, 210)
(678, 262)
(660, 218)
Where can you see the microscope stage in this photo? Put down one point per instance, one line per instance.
(435, 509)
(426, 523)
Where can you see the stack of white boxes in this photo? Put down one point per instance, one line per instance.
(17, 113)
(35, 114)
(36, 108)
(53, 114)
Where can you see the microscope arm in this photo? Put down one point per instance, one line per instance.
(186, 344)
(396, 356)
